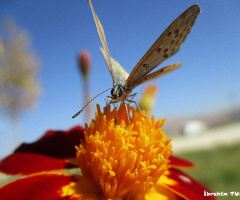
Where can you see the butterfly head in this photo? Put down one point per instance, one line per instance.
(117, 91)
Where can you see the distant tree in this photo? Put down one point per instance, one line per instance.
(19, 65)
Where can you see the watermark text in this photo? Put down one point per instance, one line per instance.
(221, 194)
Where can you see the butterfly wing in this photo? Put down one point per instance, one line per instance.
(103, 40)
(118, 71)
(161, 72)
(168, 44)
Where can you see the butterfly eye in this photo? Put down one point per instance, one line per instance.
(113, 93)
(116, 92)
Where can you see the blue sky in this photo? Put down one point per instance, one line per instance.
(59, 29)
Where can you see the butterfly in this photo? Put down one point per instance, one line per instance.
(168, 44)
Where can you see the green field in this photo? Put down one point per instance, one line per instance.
(218, 169)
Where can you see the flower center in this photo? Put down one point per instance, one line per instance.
(124, 160)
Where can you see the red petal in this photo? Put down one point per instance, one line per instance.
(184, 185)
(57, 144)
(46, 187)
(28, 163)
(177, 162)
(54, 151)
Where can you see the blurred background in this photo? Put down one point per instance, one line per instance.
(41, 86)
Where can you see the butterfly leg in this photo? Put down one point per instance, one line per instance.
(132, 95)
(115, 120)
(130, 101)
(127, 111)
(105, 110)
(112, 101)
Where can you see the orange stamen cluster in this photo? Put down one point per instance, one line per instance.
(124, 160)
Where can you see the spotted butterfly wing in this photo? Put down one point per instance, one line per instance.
(168, 44)
(161, 72)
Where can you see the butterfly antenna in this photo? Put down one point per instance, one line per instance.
(79, 112)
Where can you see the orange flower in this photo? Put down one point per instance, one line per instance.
(118, 161)
(124, 160)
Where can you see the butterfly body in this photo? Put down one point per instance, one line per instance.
(118, 92)
(167, 45)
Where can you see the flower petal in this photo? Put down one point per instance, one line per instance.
(28, 163)
(158, 191)
(184, 185)
(49, 186)
(177, 162)
(57, 144)
(55, 150)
